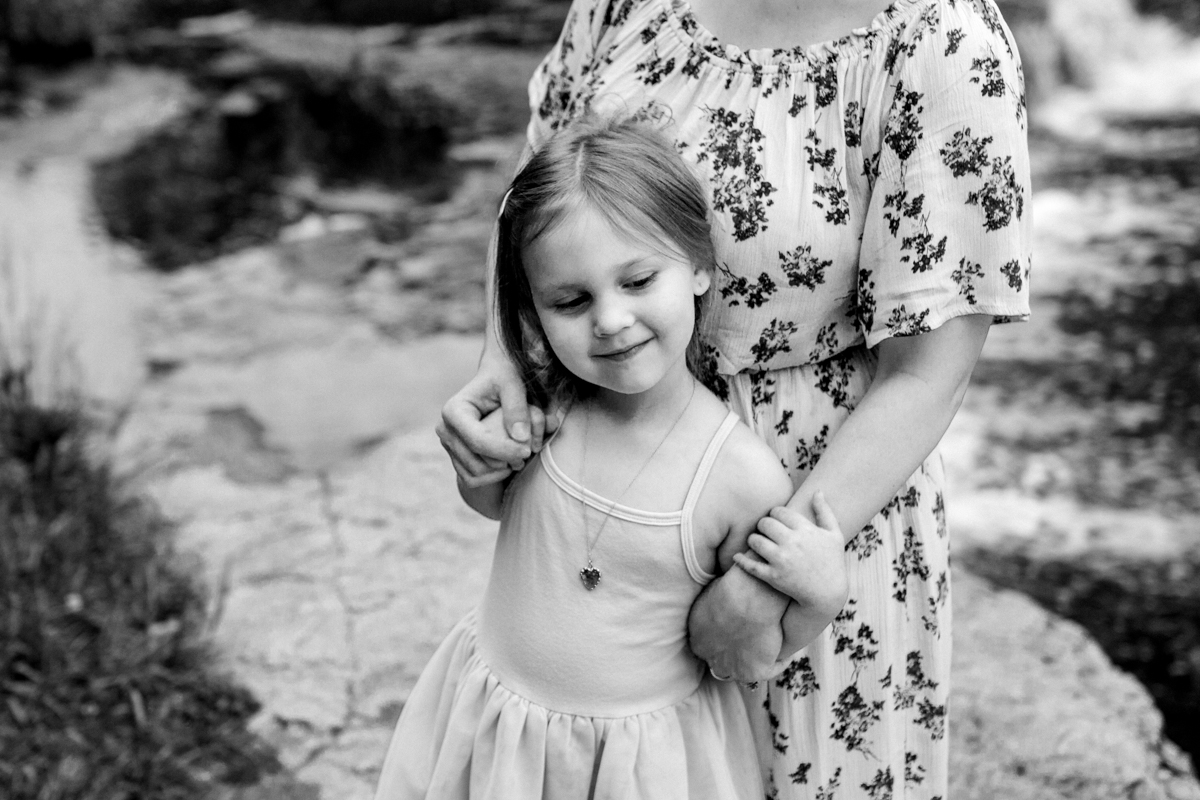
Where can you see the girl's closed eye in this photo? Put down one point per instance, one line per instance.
(641, 281)
(571, 304)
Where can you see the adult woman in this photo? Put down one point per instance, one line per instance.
(870, 196)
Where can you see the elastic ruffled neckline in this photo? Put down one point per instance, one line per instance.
(683, 21)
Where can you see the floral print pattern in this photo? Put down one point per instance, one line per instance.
(865, 188)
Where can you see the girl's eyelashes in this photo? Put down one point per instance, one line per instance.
(577, 302)
(569, 304)
(641, 281)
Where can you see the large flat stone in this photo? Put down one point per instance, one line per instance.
(1038, 712)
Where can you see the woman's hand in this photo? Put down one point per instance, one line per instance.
(803, 560)
(484, 453)
(734, 625)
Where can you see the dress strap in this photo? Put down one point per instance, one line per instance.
(687, 538)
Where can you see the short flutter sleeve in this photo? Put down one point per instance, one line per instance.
(563, 84)
(948, 229)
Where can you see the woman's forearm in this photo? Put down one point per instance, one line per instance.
(918, 387)
(734, 625)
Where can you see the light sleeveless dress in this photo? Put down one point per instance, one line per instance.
(865, 188)
(552, 691)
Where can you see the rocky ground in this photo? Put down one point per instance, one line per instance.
(278, 404)
(291, 438)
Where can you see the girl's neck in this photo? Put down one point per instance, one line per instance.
(660, 403)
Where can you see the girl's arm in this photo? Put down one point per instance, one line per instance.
(749, 651)
(919, 384)
(487, 497)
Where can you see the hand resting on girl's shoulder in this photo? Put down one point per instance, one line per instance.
(487, 498)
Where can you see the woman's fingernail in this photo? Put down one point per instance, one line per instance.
(519, 431)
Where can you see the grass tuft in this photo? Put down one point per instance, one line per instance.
(106, 686)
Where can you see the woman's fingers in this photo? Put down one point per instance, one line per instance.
(468, 465)
(494, 423)
(824, 514)
(462, 424)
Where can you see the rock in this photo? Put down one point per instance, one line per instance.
(371, 201)
(1130, 577)
(1038, 711)
(217, 25)
(319, 404)
(493, 151)
(320, 252)
(521, 24)
(333, 593)
(236, 440)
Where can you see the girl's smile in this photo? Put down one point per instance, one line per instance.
(617, 310)
(623, 354)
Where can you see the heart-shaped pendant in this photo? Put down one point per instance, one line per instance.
(590, 577)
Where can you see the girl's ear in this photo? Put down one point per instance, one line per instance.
(701, 280)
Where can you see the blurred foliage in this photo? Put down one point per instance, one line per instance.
(59, 31)
(1137, 443)
(1186, 13)
(1138, 395)
(107, 688)
(209, 184)
(195, 189)
(371, 12)
(1149, 335)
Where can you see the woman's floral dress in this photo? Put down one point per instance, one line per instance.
(870, 187)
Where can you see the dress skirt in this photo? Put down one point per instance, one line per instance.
(463, 734)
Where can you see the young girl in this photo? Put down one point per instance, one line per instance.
(574, 678)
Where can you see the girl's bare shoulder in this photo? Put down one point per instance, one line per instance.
(747, 479)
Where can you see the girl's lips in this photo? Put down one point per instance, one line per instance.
(627, 353)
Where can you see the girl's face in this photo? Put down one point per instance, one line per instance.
(617, 312)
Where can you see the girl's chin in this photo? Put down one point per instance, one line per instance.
(631, 385)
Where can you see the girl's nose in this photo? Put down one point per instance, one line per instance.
(610, 317)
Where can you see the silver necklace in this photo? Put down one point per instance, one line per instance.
(590, 575)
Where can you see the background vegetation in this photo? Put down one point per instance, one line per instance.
(107, 685)
(107, 689)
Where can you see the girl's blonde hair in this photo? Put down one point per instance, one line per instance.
(622, 167)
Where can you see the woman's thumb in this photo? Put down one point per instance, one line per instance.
(823, 513)
(515, 410)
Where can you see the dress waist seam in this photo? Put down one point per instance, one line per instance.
(506, 684)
